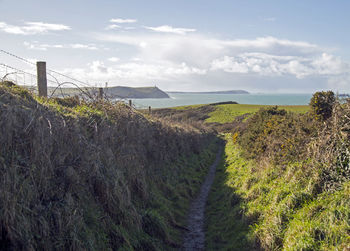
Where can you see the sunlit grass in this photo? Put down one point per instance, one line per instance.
(228, 113)
(280, 204)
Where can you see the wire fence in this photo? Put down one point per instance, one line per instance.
(22, 71)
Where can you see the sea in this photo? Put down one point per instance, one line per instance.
(181, 99)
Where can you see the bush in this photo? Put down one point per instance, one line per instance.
(322, 104)
(273, 132)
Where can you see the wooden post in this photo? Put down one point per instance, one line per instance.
(149, 110)
(130, 102)
(42, 79)
(100, 93)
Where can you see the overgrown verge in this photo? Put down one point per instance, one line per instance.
(284, 184)
(94, 176)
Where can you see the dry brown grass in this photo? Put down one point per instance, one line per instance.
(76, 178)
(331, 148)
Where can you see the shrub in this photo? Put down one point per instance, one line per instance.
(272, 132)
(322, 104)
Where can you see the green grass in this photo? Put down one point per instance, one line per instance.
(323, 224)
(226, 227)
(281, 207)
(228, 113)
(186, 107)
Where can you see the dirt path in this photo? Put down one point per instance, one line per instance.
(195, 238)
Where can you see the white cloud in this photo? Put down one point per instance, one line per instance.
(81, 46)
(340, 83)
(265, 44)
(200, 51)
(229, 64)
(32, 28)
(112, 27)
(329, 65)
(44, 47)
(34, 47)
(122, 21)
(113, 59)
(274, 65)
(169, 29)
(134, 72)
(204, 58)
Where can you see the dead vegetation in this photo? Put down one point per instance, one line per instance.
(79, 176)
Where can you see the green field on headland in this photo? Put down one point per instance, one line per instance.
(227, 113)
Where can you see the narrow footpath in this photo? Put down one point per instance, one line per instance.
(195, 237)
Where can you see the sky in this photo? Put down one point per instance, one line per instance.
(269, 46)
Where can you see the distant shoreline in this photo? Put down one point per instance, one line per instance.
(211, 92)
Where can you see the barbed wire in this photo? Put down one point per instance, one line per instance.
(15, 72)
(19, 71)
(16, 69)
(48, 70)
(59, 84)
(66, 76)
(90, 92)
(18, 57)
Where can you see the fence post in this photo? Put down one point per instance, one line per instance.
(100, 93)
(149, 110)
(42, 79)
(130, 102)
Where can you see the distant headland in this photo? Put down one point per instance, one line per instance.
(115, 92)
(214, 92)
(135, 92)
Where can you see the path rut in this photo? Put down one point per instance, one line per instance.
(194, 238)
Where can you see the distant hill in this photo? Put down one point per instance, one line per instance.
(216, 92)
(114, 92)
(139, 92)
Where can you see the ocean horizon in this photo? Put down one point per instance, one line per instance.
(182, 99)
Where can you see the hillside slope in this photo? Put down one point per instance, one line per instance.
(116, 92)
(78, 176)
(137, 92)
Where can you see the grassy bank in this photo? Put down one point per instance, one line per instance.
(276, 208)
(94, 176)
(284, 184)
